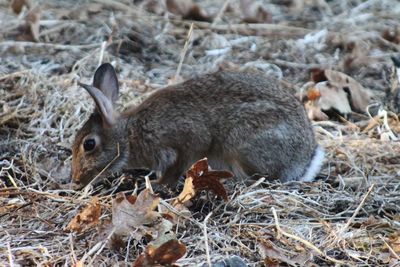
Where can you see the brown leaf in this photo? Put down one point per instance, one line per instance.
(314, 112)
(165, 255)
(78, 264)
(332, 97)
(313, 94)
(198, 169)
(205, 179)
(87, 218)
(358, 97)
(394, 242)
(253, 12)
(274, 256)
(318, 75)
(30, 30)
(392, 35)
(32, 20)
(187, 9)
(210, 183)
(169, 252)
(131, 217)
(188, 192)
(17, 5)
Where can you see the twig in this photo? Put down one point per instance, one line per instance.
(47, 45)
(10, 256)
(296, 65)
(390, 248)
(148, 182)
(103, 47)
(71, 246)
(206, 239)
(119, 5)
(14, 74)
(220, 13)
(183, 53)
(349, 221)
(98, 248)
(262, 29)
(305, 242)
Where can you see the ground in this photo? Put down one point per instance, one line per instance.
(349, 216)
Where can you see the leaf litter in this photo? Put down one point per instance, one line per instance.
(46, 47)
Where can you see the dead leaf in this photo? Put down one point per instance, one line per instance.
(153, 6)
(329, 89)
(205, 179)
(136, 217)
(78, 264)
(376, 127)
(30, 30)
(188, 192)
(17, 5)
(333, 97)
(392, 35)
(314, 112)
(32, 20)
(274, 256)
(358, 97)
(394, 242)
(254, 12)
(165, 255)
(198, 177)
(128, 217)
(313, 94)
(187, 9)
(87, 218)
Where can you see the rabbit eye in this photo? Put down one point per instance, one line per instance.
(89, 144)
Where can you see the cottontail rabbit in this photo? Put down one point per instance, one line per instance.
(241, 121)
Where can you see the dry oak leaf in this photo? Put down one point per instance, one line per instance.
(165, 255)
(314, 111)
(17, 5)
(205, 179)
(78, 264)
(135, 214)
(30, 30)
(254, 12)
(330, 89)
(313, 94)
(187, 9)
(394, 242)
(188, 192)
(274, 256)
(358, 96)
(32, 21)
(87, 218)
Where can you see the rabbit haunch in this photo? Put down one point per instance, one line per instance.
(241, 121)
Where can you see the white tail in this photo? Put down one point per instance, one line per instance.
(315, 165)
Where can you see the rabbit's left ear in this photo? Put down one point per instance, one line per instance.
(104, 92)
(105, 79)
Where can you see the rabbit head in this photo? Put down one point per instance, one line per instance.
(99, 146)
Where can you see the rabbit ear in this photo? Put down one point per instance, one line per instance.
(103, 104)
(104, 91)
(105, 79)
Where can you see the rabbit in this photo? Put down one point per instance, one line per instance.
(243, 121)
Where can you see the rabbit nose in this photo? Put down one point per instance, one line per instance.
(75, 177)
(76, 182)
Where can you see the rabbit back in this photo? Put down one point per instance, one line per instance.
(243, 121)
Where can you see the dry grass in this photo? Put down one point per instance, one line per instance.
(349, 217)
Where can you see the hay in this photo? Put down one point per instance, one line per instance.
(349, 216)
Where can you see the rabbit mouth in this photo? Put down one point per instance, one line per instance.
(95, 176)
